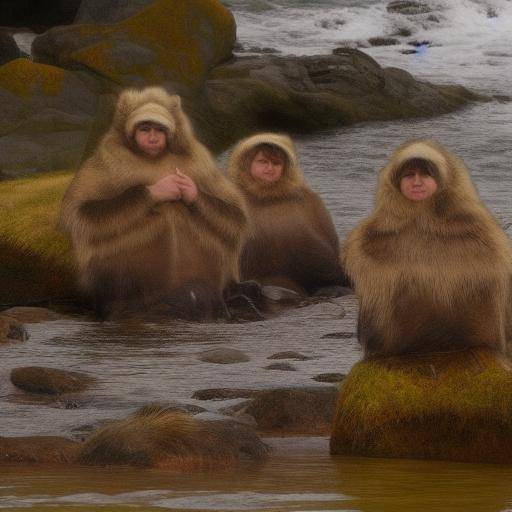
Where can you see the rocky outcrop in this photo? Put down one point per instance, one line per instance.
(170, 42)
(51, 381)
(452, 406)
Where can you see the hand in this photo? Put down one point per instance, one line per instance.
(187, 187)
(166, 189)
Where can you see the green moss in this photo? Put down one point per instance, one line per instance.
(35, 258)
(23, 77)
(455, 406)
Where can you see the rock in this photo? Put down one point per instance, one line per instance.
(45, 116)
(433, 18)
(417, 44)
(408, 52)
(280, 294)
(341, 335)
(408, 8)
(311, 92)
(491, 12)
(383, 41)
(37, 379)
(223, 355)
(223, 393)
(175, 407)
(30, 315)
(292, 410)
(329, 377)
(8, 48)
(290, 354)
(452, 406)
(171, 42)
(113, 11)
(40, 15)
(287, 367)
(11, 329)
(37, 450)
(167, 439)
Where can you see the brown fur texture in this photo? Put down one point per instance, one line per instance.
(133, 251)
(292, 240)
(430, 275)
(158, 437)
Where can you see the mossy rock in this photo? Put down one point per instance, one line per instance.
(174, 42)
(35, 257)
(451, 406)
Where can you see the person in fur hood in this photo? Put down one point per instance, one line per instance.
(431, 266)
(150, 216)
(292, 241)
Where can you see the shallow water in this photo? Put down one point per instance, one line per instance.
(135, 363)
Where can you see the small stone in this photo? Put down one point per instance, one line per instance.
(289, 354)
(287, 367)
(329, 377)
(341, 335)
(11, 330)
(51, 381)
(223, 394)
(407, 7)
(383, 41)
(223, 355)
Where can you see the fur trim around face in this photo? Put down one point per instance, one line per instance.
(149, 112)
(290, 183)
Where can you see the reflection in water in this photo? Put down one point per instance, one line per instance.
(300, 476)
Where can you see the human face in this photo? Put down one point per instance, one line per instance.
(151, 139)
(417, 186)
(266, 169)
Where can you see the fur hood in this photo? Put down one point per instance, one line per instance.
(291, 182)
(456, 196)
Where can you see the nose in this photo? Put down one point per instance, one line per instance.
(417, 178)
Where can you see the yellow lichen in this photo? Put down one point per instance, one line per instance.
(23, 77)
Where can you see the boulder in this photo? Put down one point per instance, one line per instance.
(46, 114)
(51, 381)
(11, 329)
(156, 437)
(291, 410)
(223, 355)
(35, 258)
(101, 12)
(303, 94)
(8, 48)
(453, 406)
(172, 42)
(290, 354)
(37, 450)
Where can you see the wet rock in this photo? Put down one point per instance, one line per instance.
(174, 407)
(30, 315)
(383, 41)
(37, 379)
(329, 377)
(11, 329)
(407, 7)
(491, 12)
(223, 355)
(8, 48)
(340, 335)
(417, 44)
(331, 24)
(292, 411)
(427, 406)
(433, 18)
(223, 393)
(169, 42)
(408, 52)
(403, 32)
(290, 354)
(287, 367)
(33, 450)
(280, 294)
(167, 439)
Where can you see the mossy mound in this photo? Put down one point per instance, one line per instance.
(35, 258)
(452, 406)
(170, 41)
